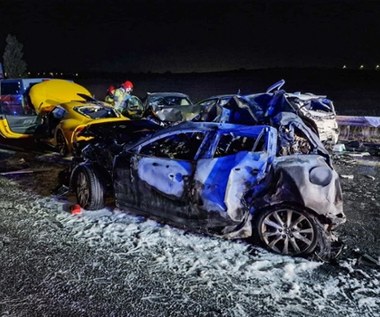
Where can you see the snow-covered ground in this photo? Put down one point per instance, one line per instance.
(110, 263)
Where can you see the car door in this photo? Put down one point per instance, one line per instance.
(16, 118)
(235, 170)
(158, 175)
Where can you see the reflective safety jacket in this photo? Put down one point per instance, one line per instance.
(119, 96)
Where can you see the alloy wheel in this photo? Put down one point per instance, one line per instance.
(288, 231)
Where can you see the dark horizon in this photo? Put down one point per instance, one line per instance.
(192, 35)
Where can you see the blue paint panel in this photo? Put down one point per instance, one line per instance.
(165, 175)
(214, 174)
(216, 183)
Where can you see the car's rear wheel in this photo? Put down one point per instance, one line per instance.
(286, 230)
(89, 189)
(62, 147)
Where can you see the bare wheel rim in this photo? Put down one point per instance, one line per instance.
(83, 189)
(287, 231)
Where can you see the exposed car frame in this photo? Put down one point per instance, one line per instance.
(316, 111)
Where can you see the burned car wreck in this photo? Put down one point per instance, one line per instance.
(275, 186)
(317, 112)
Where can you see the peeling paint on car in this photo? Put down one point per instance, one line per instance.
(166, 176)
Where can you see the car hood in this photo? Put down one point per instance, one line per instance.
(49, 93)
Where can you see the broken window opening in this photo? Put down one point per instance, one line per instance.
(230, 144)
(182, 146)
(293, 141)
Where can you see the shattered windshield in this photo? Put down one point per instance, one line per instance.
(95, 111)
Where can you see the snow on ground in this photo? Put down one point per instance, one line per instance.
(109, 263)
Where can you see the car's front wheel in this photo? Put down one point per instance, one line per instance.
(62, 147)
(89, 188)
(286, 230)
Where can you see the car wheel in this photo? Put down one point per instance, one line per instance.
(89, 189)
(286, 230)
(61, 144)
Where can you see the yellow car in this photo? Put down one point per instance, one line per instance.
(61, 108)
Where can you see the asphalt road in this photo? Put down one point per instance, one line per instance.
(114, 264)
(360, 180)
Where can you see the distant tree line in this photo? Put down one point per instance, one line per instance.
(13, 62)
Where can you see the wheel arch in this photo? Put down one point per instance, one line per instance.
(290, 204)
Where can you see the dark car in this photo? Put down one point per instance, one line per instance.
(168, 107)
(223, 179)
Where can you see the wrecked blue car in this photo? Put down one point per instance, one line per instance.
(316, 111)
(230, 180)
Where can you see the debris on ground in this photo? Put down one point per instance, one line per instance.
(25, 171)
(346, 176)
(75, 209)
(366, 259)
(339, 147)
(361, 154)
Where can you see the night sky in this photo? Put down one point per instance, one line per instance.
(192, 35)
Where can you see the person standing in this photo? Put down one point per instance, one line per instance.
(122, 93)
(110, 96)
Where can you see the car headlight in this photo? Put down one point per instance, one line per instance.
(320, 176)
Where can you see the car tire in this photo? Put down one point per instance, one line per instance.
(62, 147)
(286, 230)
(89, 188)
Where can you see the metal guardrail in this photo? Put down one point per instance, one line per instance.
(359, 128)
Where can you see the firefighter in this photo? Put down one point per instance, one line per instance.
(122, 92)
(131, 107)
(110, 95)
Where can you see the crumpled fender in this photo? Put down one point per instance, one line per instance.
(307, 180)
